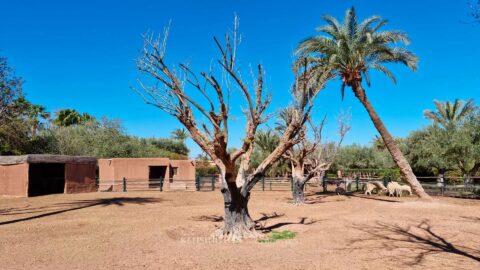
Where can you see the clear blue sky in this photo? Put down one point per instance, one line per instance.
(80, 54)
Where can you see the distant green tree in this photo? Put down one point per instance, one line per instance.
(426, 150)
(362, 157)
(170, 145)
(451, 143)
(105, 139)
(451, 114)
(265, 142)
(68, 117)
(34, 114)
(180, 134)
(15, 129)
(10, 92)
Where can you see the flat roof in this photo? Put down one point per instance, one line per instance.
(41, 158)
(138, 158)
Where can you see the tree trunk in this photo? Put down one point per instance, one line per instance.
(391, 145)
(298, 191)
(238, 224)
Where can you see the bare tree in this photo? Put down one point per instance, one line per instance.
(310, 159)
(172, 93)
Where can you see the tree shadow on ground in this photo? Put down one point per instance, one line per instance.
(219, 218)
(28, 210)
(420, 241)
(211, 218)
(471, 219)
(316, 198)
(267, 216)
(260, 224)
(373, 198)
(267, 229)
(73, 206)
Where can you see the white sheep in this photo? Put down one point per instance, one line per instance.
(393, 189)
(374, 185)
(369, 187)
(405, 188)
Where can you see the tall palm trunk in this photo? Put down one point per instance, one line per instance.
(392, 147)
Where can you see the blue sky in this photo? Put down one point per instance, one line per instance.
(81, 54)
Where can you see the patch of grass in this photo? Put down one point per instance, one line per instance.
(266, 240)
(283, 235)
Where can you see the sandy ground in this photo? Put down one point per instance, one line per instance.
(171, 230)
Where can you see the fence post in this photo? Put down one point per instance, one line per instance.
(213, 183)
(263, 183)
(324, 183)
(357, 179)
(443, 186)
(291, 182)
(124, 184)
(197, 183)
(161, 184)
(441, 183)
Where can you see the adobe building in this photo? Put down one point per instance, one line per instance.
(34, 175)
(141, 171)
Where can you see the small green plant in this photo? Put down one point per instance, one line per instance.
(283, 235)
(266, 240)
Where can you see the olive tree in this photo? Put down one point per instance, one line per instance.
(170, 89)
(312, 158)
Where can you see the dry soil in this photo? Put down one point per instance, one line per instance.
(171, 230)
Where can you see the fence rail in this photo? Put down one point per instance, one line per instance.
(434, 186)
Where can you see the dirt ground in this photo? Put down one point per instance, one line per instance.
(171, 230)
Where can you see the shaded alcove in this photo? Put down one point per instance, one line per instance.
(155, 174)
(46, 178)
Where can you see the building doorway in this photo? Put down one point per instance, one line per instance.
(46, 178)
(155, 174)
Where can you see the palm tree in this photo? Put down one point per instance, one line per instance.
(180, 134)
(450, 115)
(36, 112)
(265, 143)
(378, 143)
(68, 117)
(33, 113)
(351, 50)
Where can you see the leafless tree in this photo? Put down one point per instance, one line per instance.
(310, 159)
(171, 91)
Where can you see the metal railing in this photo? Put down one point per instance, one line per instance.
(133, 184)
(432, 185)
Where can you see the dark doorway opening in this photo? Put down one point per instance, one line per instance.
(155, 174)
(46, 178)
